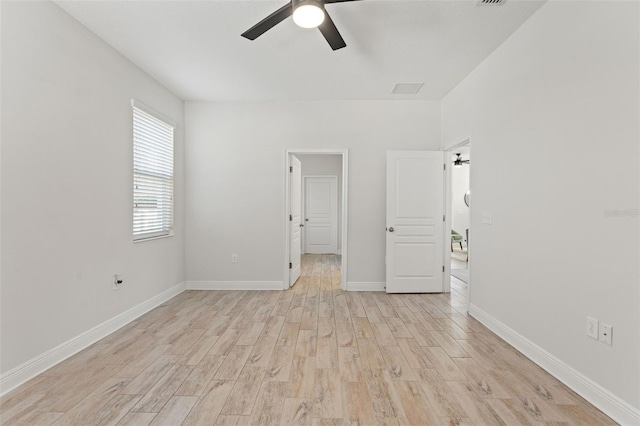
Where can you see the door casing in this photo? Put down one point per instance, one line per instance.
(345, 197)
(449, 151)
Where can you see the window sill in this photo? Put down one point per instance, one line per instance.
(157, 237)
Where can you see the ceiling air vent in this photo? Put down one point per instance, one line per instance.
(490, 2)
(407, 88)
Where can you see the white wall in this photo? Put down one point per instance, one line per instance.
(560, 97)
(66, 183)
(325, 165)
(235, 178)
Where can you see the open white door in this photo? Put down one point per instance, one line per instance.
(320, 213)
(295, 205)
(415, 213)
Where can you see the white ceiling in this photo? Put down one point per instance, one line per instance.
(194, 48)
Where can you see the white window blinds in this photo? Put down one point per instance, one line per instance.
(152, 174)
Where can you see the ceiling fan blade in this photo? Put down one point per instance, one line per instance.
(269, 22)
(331, 33)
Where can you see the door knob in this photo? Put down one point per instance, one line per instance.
(391, 229)
(306, 220)
(301, 225)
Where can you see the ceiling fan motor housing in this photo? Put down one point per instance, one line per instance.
(297, 3)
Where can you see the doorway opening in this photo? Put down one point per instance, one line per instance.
(458, 218)
(322, 207)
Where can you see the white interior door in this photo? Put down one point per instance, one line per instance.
(295, 218)
(321, 214)
(415, 213)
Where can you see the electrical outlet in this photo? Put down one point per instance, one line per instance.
(606, 334)
(234, 258)
(117, 281)
(592, 328)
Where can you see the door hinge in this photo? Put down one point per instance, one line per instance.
(290, 169)
(290, 265)
(442, 268)
(444, 166)
(290, 218)
(444, 217)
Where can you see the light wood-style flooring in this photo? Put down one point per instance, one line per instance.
(312, 355)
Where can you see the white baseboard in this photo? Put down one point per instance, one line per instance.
(28, 370)
(365, 286)
(235, 285)
(610, 404)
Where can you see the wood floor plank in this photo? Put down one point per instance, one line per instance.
(233, 363)
(288, 334)
(383, 334)
(345, 334)
(303, 375)
(250, 334)
(362, 328)
(163, 390)
(396, 364)
(297, 411)
(310, 355)
(113, 411)
(86, 409)
(328, 394)
(475, 406)
(208, 407)
(174, 412)
(357, 406)
(414, 405)
(223, 420)
(197, 381)
(306, 343)
(445, 365)
(270, 403)
(262, 351)
(440, 396)
(326, 344)
(245, 391)
(279, 368)
(137, 419)
(351, 368)
(415, 356)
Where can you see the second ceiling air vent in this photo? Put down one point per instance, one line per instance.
(490, 2)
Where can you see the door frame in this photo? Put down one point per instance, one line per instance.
(304, 205)
(448, 199)
(343, 212)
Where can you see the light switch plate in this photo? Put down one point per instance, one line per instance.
(487, 218)
(592, 328)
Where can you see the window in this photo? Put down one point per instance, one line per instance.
(152, 174)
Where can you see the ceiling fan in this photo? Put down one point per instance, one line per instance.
(458, 162)
(307, 14)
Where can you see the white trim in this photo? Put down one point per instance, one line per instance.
(235, 285)
(28, 370)
(616, 408)
(446, 283)
(139, 105)
(345, 199)
(465, 141)
(366, 286)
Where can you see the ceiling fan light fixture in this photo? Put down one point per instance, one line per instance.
(458, 161)
(308, 13)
